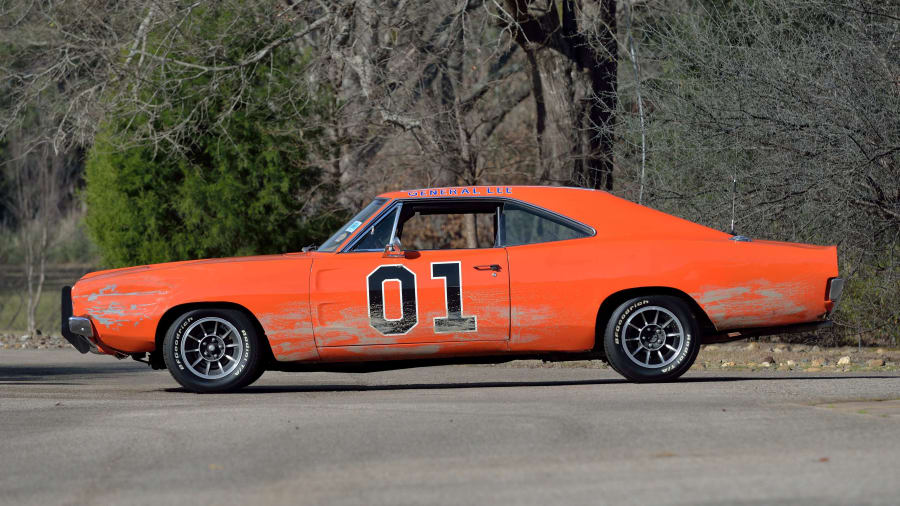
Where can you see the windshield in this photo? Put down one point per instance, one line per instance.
(334, 241)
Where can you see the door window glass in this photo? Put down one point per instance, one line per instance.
(427, 229)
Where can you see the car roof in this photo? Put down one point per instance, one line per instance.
(554, 198)
(606, 213)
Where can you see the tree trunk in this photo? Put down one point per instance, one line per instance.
(597, 66)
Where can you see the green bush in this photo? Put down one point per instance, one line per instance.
(239, 183)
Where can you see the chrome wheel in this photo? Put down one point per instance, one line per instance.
(211, 348)
(653, 337)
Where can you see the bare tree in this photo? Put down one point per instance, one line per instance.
(40, 183)
(584, 35)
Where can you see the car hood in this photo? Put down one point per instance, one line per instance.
(113, 273)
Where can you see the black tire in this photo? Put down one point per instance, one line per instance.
(636, 342)
(230, 373)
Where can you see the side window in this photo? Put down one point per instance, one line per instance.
(429, 229)
(377, 236)
(523, 226)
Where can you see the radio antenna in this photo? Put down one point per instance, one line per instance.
(733, 197)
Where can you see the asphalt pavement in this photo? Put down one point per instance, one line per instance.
(80, 429)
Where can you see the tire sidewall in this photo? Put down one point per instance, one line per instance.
(242, 375)
(614, 335)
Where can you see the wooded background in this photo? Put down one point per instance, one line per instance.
(135, 132)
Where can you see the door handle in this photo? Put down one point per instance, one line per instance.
(492, 267)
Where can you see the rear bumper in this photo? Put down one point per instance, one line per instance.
(76, 329)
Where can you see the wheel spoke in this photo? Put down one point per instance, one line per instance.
(228, 348)
(667, 342)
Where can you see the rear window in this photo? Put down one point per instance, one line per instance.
(525, 226)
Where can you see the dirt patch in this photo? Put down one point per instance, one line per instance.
(42, 342)
(791, 357)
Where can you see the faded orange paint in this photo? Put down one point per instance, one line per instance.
(545, 297)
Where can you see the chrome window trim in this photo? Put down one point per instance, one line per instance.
(389, 208)
(552, 215)
(340, 247)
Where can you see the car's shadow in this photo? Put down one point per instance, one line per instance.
(19, 374)
(276, 389)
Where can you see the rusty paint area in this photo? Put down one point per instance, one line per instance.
(115, 311)
(110, 291)
(113, 314)
(290, 333)
(755, 303)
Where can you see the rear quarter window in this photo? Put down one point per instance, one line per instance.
(525, 226)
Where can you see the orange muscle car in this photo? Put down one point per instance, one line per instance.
(463, 274)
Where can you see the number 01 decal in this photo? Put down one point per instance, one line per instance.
(455, 321)
(409, 317)
(450, 272)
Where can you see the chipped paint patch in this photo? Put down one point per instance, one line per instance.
(756, 303)
(114, 314)
(723, 294)
(110, 291)
(289, 330)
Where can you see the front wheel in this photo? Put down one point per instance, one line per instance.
(213, 350)
(652, 338)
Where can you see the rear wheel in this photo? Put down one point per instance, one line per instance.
(213, 350)
(652, 338)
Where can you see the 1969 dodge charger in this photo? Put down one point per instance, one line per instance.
(463, 274)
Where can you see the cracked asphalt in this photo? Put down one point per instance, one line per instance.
(92, 430)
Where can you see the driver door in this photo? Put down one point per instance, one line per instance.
(437, 290)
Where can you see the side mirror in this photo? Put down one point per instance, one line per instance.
(393, 249)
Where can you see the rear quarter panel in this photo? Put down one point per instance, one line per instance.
(557, 288)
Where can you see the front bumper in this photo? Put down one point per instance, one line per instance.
(76, 329)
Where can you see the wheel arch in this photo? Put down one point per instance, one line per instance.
(613, 300)
(175, 311)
